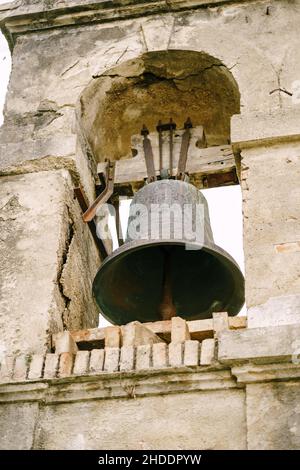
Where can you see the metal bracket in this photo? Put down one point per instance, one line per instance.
(79, 194)
(90, 212)
(105, 195)
(148, 155)
(185, 142)
(171, 127)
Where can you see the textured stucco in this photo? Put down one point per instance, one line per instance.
(273, 416)
(45, 253)
(50, 143)
(148, 423)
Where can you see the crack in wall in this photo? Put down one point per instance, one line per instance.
(63, 262)
(162, 77)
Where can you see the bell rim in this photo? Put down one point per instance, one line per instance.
(139, 244)
(136, 245)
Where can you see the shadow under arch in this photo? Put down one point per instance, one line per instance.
(157, 85)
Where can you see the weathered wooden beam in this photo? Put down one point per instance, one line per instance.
(207, 167)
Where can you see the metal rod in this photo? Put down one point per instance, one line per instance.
(171, 149)
(116, 204)
(185, 142)
(160, 144)
(78, 192)
(104, 196)
(148, 155)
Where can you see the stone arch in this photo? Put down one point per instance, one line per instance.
(157, 85)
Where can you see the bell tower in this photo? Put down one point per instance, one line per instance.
(87, 121)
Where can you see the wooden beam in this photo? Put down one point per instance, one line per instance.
(207, 167)
(210, 161)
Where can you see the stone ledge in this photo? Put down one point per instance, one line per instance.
(118, 385)
(17, 18)
(251, 130)
(51, 153)
(251, 373)
(273, 344)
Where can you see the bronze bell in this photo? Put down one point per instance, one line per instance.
(155, 275)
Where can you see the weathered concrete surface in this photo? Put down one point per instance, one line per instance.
(74, 77)
(260, 345)
(273, 416)
(271, 206)
(48, 259)
(17, 425)
(65, 60)
(258, 129)
(213, 417)
(281, 310)
(249, 372)
(147, 423)
(252, 405)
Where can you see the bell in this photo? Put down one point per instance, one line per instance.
(169, 264)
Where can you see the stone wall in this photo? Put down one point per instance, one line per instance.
(47, 265)
(246, 397)
(249, 52)
(52, 109)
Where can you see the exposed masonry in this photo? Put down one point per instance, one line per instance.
(132, 347)
(247, 396)
(250, 391)
(191, 353)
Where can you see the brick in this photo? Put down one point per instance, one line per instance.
(65, 343)
(112, 336)
(207, 353)
(191, 353)
(175, 354)
(160, 355)
(21, 367)
(136, 334)
(236, 323)
(51, 366)
(81, 362)
(179, 330)
(111, 359)
(143, 356)
(7, 367)
(127, 358)
(36, 366)
(66, 361)
(220, 322)
(97, 360)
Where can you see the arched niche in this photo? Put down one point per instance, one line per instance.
(157, 85)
